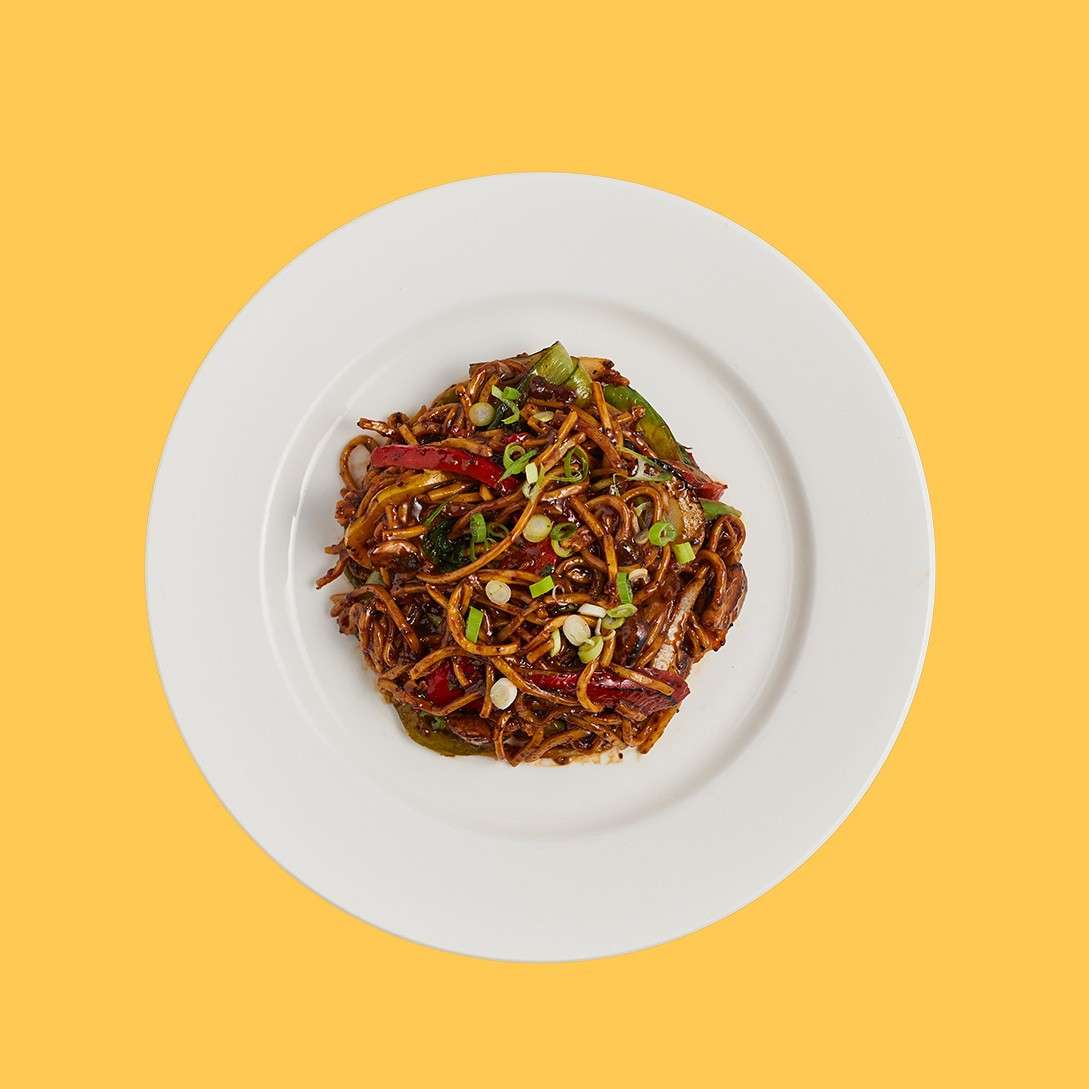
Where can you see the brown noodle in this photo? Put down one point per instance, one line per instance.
(410, 600)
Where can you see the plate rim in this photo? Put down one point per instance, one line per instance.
(904, 432)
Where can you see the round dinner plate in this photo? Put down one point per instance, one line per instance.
(754, 368)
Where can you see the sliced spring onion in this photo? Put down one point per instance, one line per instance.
(511, 453)
(561, 533)
(621, 612)
(532, 472)
(661, 533)
(611, 623)
(537, 528)
(497, 531)
(683, 552)
(541, 586)
(517, 465)
(640, 574)
(478, 528)
(503, 693)
(712, 508)
(576, 629)
(472, 623)
(555, 643)
(591, 649)
(591, 610)
(505, 393)
(623, 588)
(509, 396)
(543, 417)
(498, 592)
(576, 466)
(481, 414)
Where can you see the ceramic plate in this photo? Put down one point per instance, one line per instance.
(752, 365)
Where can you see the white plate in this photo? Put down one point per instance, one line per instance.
(754, 367)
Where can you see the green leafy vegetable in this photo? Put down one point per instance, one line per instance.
(445, 552)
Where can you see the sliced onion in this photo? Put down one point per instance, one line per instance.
(481, 414)
(503, 693)
(537, 528)
(498, 592)
(591, 610)
(576, 629)
(591, 649)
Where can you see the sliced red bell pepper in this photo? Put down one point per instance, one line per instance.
(453, 460)
(442, 684)
(698, 480)
(609, 689)
(532, 556)
(606, 688)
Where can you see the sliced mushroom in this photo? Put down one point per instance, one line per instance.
(725, 604)
(671, 644)
(397, 555)
(686, 514)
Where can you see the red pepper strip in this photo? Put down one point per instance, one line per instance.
(450, 458)
(442, 684)
(609, 689)
(605, 688)
(698, 480)
(526, 556)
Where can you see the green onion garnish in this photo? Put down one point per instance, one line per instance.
(572, 473)
(661, 533)
(621, 612)
(515, 463)
(683, 553)
(478, 528)
(623, 588)
(591, 649)
(541, 586)
(714, 509)
(472, 624)
(562, 532)
(509, 396)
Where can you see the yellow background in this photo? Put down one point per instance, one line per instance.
(919, 161)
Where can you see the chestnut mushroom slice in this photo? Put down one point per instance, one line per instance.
(723, 609)
(397, 555)
(671, 644)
